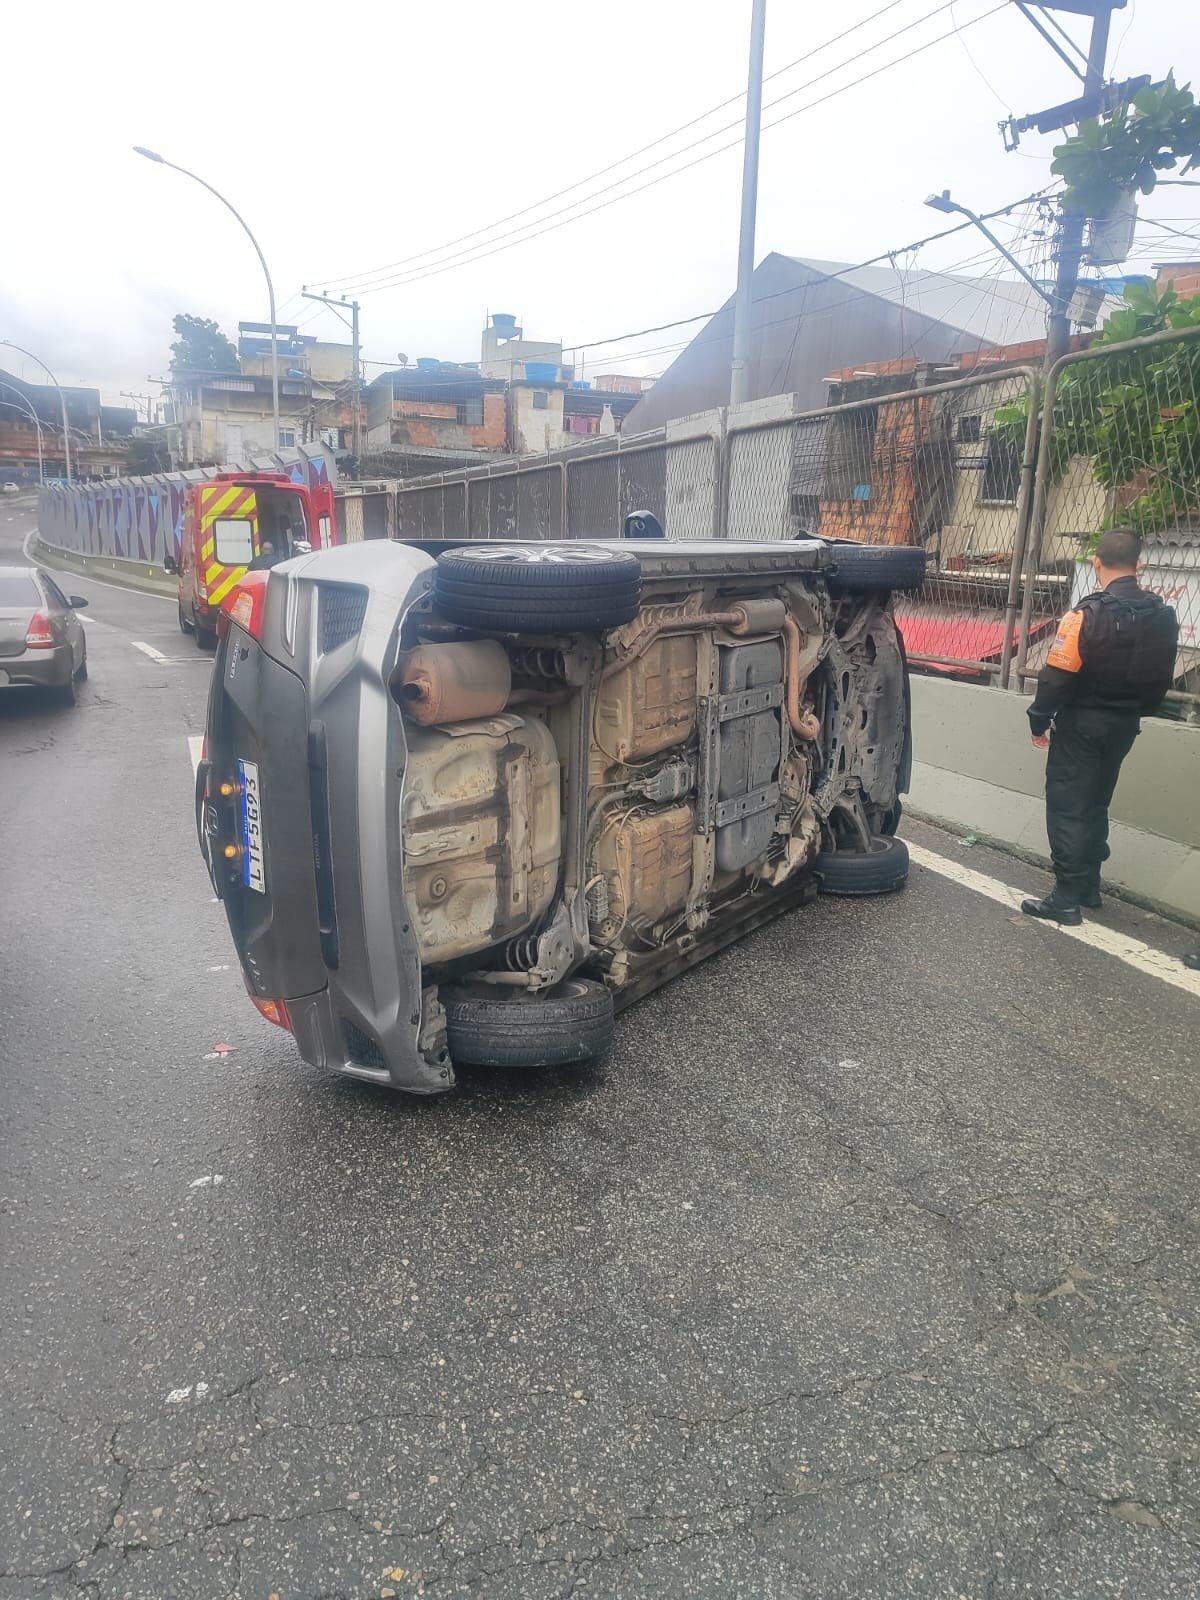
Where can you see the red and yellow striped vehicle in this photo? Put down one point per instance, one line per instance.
(238, 519)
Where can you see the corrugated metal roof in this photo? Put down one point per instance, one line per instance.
(992, 310)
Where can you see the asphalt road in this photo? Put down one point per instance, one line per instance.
(865, 1266)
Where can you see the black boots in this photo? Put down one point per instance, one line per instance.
(1051, 909)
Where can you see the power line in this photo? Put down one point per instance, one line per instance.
(884, 255)
(536, 231)
(952, 273)
(347, 279)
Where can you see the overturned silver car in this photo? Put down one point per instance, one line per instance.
(464, 802)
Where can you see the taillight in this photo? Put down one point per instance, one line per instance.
(40, 635)
(275, 1011)
(246, 602)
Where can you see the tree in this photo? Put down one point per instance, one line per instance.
(202, 346)
(1136, 415)
(146, 455)
(1127, 150)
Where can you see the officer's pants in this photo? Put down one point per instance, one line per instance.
(1087, 748)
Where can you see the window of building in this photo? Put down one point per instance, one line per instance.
(969, 430)
(1001, 472)
(852, 455)
(470, 412)
(287, 438)
(541, 400)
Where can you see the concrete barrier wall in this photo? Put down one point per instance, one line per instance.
(976, 769)
(140, 520)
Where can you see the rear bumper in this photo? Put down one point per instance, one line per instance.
(37, 669)
(332, 937)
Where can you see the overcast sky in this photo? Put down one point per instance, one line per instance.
(353, 140)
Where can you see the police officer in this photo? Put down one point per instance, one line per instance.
(1113, 659)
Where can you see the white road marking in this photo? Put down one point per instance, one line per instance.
(149, 650)
(104, 583)
(195, 750)
(1133, 952)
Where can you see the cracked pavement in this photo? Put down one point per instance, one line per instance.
(865, 1266)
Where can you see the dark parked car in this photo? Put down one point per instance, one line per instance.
(42, 642)
(463, 802)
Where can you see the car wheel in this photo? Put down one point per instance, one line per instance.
(65, 693)
(81, 675)
(493, 1026)
(858, 568)
(881, 870)
(206, 638)
(186, 624)
(538, 588)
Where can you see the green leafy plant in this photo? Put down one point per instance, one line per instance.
(1136, 415)
(1128, 149)
(202, 346)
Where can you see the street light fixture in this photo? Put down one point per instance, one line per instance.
(61, 400)
(28, 411)
(942, 202)
(153, 155)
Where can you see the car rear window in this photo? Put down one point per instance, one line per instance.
(18, 590)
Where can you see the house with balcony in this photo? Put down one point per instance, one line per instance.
(520, 398)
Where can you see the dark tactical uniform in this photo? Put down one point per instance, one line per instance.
(1112, 659)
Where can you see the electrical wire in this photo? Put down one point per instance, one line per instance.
(536, 205)
(536, 231)
(857, 266)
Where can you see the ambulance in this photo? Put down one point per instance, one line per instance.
(227, 520)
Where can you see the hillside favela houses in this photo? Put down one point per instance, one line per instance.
(519, 398)
(218, 417)
(31, 432)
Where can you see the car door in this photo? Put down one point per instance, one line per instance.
(63, 618)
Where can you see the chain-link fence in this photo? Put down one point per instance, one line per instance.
(930, 466)
(1003, 490)
(1119, 447)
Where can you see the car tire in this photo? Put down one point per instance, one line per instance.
(882, 870)
(859, 568)
(538, 588)
(490, 1025)
(186, 624)
(81, 675)
(206, 638)
(65, 693)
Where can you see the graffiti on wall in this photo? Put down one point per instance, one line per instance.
(141, 519)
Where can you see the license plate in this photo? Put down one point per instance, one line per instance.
(254, 874)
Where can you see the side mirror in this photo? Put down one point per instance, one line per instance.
(170, 565)
(76, 602)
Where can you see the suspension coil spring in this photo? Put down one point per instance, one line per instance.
(521, 954)
(537, 661)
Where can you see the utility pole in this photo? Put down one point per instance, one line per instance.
(144, 398)
(739, 376)
(336, 305)
(1070, 237)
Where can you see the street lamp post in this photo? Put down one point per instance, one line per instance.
(30, 412)
(62, 400)
(153, 155)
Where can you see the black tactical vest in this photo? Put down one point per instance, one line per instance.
(1130, 638)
